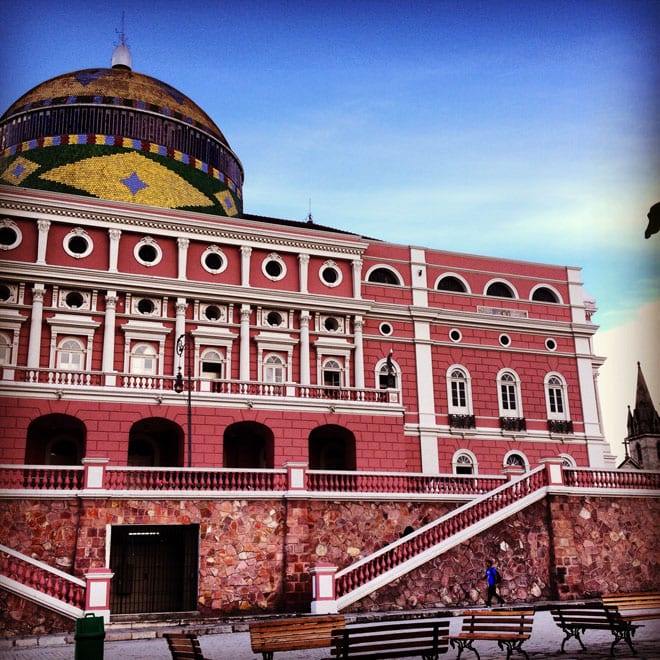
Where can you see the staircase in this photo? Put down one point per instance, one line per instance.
(391, 562)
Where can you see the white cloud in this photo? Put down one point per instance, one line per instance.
(624, 346)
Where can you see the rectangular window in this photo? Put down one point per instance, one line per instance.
(458, 398)
(556, 400)
(508, 397)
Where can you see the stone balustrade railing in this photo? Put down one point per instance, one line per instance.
(206, 387)
(98, 474)
(388, 558)
(595, 478)
(43, 578)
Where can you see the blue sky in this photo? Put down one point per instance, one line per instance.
(528, 130)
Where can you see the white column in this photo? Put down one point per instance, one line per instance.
(244, 368)
(108, 357)
(179, 329)
(358, 322)
(304, 347)
(36, 319)
(113, 258)
(246, 252)
(418, 277)
(425, 398)
(183, 244)
(43, 226)
(357, 278)
(303, 271)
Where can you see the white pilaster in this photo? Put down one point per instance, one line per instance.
(42, 241)
(246, 253)
(113, 255)
(180, 329)
(36, 319)
(304, 347)
(418, 277)
(358, 322)
(303, 271)
(183, 244)
(357, 278)
(108, 355)
(244, 368)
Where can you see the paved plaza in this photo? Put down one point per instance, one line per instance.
(544, 643)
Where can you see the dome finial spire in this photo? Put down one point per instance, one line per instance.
(121, 57)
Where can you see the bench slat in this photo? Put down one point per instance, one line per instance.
(310, 632)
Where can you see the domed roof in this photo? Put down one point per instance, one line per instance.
(79, 132)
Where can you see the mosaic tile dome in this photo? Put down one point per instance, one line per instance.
(116, 134)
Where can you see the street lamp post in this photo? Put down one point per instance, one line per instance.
(184, 343)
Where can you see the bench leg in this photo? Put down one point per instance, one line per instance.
(267, 655)
(463, 644)
(625, 635)
(511, 646)
(572, 632)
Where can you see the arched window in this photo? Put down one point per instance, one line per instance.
(332, 373)
(71, 355)
(387, 374)
(451, 283)
(516, 458)
(384, 275)
(555, 397)
(143, 360)
(500, 290)
(213, 364)
(5, 349)
(459, 394)
(508, 392)
(274, 369)
(544, 294)
(464, 462)
(248, 445)
(567, 461)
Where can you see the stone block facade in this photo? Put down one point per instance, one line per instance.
(255, 554)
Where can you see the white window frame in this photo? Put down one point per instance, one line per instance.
(553, 383)
(466, 381)
(509, 379)
(274, 369)
(141, 352)
(333, 365)
(459, 459)
(215, 356)
(64, 353)
(515, 452)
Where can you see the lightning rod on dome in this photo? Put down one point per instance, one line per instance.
(121, 57)
(309, 218)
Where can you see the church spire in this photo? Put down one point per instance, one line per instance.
(645, 419)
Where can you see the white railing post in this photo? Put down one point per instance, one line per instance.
(324, 594)
(97, 592)
(94, 473)
(555, 469)
(296, 474)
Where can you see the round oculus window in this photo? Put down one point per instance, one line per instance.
(505, 340)
(386, 329)
(455, 335)
(74, 299)
(273, 267)
(551, 344)
(9, 236)
(147, 252)
(213, 260)
(146, 306)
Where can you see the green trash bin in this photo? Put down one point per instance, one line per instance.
(90, 635)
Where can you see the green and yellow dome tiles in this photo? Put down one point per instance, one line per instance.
(120, 135)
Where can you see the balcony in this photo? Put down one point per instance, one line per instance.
(560, 426)
(204, 388)
(461, 421)
(516, 424)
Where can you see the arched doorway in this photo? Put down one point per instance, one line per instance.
(155, 442)
(332, 447)
(248, 445)
(55, 439)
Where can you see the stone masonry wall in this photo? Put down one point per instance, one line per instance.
(255, 554)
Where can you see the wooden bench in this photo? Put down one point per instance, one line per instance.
(309, 632)
(184, 646)
(509, 628)
(635, 606)
(574, 619)
(394, 639)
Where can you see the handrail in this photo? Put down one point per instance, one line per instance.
(394, 554)
(41, 477)
(597, 478)
(43, 578)
(194, 479)
(345, 481)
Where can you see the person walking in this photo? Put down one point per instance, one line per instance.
(493, 578)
